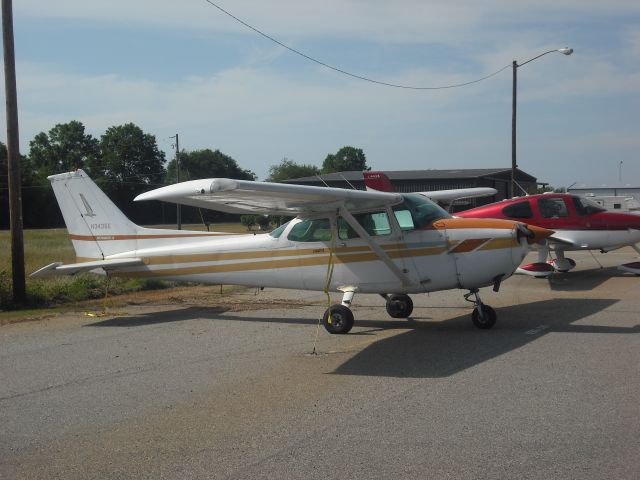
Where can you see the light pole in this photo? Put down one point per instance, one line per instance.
(514, 164)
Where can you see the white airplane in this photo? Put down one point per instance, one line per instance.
(341, 240)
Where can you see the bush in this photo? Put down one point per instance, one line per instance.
(248, 220)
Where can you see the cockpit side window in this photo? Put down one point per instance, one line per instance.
(316, 230)
(518, 210)
(553, 207)
(417, 212)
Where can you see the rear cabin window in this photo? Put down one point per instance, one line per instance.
(374, 223)
(518, 210)
(553, 207)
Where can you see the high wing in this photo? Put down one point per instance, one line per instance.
(243, 196)
(58, 268)
(449, 196)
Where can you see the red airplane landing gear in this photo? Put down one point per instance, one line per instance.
(561, 263)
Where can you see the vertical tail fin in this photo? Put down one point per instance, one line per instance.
(377, 181)
(96, 225)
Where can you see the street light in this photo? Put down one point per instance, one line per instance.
(514, 165)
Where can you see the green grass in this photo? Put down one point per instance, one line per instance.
(42, 247)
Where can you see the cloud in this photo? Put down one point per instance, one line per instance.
(441, 21)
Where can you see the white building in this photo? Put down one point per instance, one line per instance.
(612, 198)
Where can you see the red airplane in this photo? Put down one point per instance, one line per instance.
(579, 223)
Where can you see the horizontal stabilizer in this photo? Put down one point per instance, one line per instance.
(633, 267)
(58, 268)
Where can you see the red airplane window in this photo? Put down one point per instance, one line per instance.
(518, 210)
(553, 207)
(584, 206)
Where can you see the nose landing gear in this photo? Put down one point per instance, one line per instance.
(483, 316)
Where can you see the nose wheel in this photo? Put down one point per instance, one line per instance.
(483, 316)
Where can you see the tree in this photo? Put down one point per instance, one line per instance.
(39, 206)
(129, 163)
(248, 220)
(288, 169)
(345, 160)
(129, 156)
(66, 147)
(206, 164)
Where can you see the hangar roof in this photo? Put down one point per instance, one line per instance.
(430, 174)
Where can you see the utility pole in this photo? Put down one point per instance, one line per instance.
(514, 164)
(13, 156)
(178, 211)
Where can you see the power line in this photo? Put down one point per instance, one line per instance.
(344, 72)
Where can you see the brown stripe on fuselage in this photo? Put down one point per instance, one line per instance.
(104, 238)
(469, 245)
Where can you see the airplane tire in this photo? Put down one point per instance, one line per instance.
(341, 319)
(399, 305)
(488, 320)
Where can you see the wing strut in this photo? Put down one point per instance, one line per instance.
(406, 281)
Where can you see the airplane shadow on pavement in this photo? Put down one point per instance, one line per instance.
(155, 318)
(441, 349)
(583, 280)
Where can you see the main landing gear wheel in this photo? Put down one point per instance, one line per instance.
(340, 321)
(484, 316)
(399, 305)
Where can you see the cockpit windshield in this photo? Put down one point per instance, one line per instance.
(418, 212)
(585, 206)
(278, 231)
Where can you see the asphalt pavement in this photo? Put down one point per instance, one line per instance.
(213, 392)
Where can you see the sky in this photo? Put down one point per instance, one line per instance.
(185, 67)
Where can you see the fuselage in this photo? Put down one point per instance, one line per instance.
(581, 223)
(303, 254)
